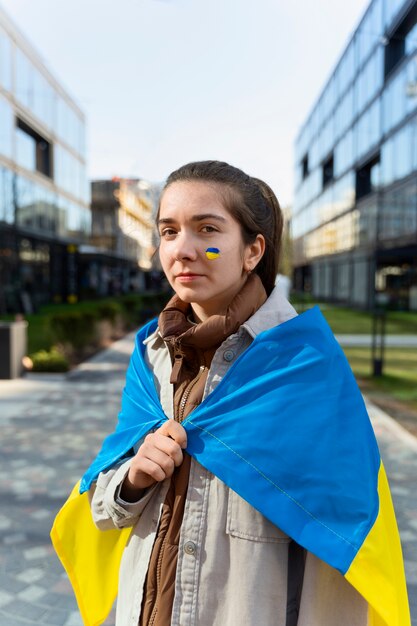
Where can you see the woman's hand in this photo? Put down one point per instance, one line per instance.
(156, 459)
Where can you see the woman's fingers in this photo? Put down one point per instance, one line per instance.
(159, 454)
(173, 429)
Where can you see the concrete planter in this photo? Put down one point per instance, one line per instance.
(13, 347)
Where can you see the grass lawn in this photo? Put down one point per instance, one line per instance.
(399, 378)
(346, 321)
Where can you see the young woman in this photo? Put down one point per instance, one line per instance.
(199, 554)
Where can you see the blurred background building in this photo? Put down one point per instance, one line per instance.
(121, 256)
(54, 245)
(354, 222)
(44, 192)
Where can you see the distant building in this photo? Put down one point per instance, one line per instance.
(44, 192)
(123, 212)
(354, 220)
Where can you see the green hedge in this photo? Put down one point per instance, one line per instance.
(76, 328)
(49, 361)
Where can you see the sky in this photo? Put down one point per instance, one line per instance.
(165, 82)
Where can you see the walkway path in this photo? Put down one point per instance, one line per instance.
(50, 429)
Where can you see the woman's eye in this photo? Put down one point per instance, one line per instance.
(168, 232)
(209, 229)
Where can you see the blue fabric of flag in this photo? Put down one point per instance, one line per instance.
(286, 428)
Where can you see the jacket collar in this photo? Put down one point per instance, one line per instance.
(276, 310)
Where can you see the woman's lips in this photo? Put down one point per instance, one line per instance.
(187, 278)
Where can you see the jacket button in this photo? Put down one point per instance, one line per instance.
(190, 547)
(228, 355)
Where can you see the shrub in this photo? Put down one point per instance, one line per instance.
(108, 311)
(49, 361)
(76, 328)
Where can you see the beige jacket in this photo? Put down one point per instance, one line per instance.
(232, 562)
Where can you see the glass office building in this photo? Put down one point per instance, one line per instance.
(44, 191)
(354, 222)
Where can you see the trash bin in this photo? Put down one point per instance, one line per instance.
(13, 347)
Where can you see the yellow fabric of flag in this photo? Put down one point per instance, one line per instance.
(91, 557)
(377, 571)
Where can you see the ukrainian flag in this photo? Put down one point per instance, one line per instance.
(287, 429)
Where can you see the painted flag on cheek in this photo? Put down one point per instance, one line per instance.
(287, 429)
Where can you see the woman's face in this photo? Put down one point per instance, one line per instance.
(193, 218)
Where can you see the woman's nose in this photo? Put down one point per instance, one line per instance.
(185, 248)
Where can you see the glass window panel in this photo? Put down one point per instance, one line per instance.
(347, 65)
(398, 213)
(410, 94)
(5, 61)
(395, 100)
(391, 9)
(43, 99)
(343, 156)
(25, 150)
(403, 152)
(387, 162)
(26, 203)
(7, 205)
(6, 128)
(23, 79)
(411, 40)
(366, 222)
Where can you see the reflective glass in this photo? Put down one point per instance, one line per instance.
(347, 66)
(6, 128)
(344, 112)
(370, 30)
(394, 100)
(410, 89)
(26, 210)
(69, 172)
(367, 130)
(398, 214)
(43, 99)
(7, 192)
(411, 40)
(391, 9)
(343, 154)
(70, 127)
(387, 162)
(366, 221)
(313, 155)
(25, 150)
(344, 194)
(325, 203)
(5, 61)
(403, 152)
(23, 79)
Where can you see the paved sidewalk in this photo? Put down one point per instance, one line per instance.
(391, 341)
(50, 429)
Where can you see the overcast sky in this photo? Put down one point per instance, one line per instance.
(163, 82)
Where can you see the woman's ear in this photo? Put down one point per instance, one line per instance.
(254, 253)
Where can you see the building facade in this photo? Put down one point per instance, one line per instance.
(44, 191)
(122, 239)
(354, 222)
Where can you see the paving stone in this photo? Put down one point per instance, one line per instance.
(31, 593)
(5, 598)
(31, 575)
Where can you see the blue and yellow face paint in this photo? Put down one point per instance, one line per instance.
(212, 253)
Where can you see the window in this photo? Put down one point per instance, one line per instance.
(327, 171)
(367, 177)
(34, 152)
(304, 167)
(396, 48)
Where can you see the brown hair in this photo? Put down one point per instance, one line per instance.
(251, 202)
